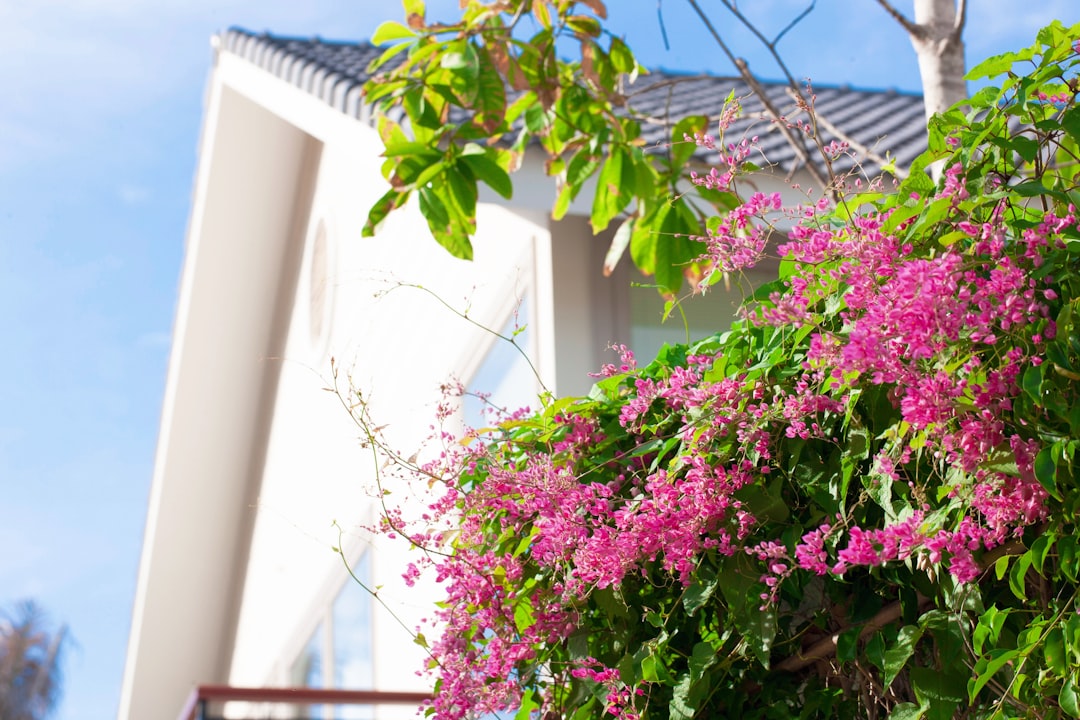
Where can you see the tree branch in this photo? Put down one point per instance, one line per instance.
(796, 21)
(961, 19)
(827, 646)
(858, 147)
(912, 28)
(797, 142)
(890, 613)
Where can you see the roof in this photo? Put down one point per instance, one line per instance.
(880, 121)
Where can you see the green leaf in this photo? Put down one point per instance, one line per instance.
(621, 57)
(611, 196)
(907, 711)
(847, 644)
(619, 243)
(991, 67)
(896, 657)
(1054, 651)
(581, 167)
(703, 657)
(1070, 120)
(1032, 382)
(938, 684)
(390, 31)
(422, 150)
(987, 667)
(462, 191)
(1066, 548)
(389, 202)
(1040, 549)
(680, 707)
(1046, 472)
(739, 584)
(536, 119)
(697, 595)
(1018, 576)
(491, 173)
(490, 101)
(682, 149)
(464, 66)
(1068, 698)
(1030, 188)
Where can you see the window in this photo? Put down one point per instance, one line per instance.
(340, 651)
(504, 375)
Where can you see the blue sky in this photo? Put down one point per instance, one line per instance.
(99, 126)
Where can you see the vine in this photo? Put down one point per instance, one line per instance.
(858, 501)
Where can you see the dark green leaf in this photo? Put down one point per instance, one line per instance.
(1046, 470)
(1032, 382)
(896, 657)
(681, 707)
(847, 644)
(936, 684)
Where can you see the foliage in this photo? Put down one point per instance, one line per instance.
(860, 500)
(461, 103)
(29, 664)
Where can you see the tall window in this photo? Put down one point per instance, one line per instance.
(504, 376)
(340, 651)
(351, 619)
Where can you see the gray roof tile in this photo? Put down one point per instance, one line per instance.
(884, 121)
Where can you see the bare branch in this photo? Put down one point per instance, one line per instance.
(660, 19)
(797, 143)
(827, 646)
(912, 28)
(796, 21)
(857, 146)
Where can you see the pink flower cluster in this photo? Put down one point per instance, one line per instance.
(943, 336)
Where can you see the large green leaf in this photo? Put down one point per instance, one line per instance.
(390, 31)
(486, 169)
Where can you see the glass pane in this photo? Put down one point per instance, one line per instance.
(307, 670)
(504, 375)
(704, 314)
(354, 666)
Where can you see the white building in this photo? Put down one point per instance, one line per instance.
(239, 584)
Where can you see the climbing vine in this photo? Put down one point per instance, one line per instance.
(859, 500)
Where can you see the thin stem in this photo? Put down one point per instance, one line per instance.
(375, 594)
(465, 316)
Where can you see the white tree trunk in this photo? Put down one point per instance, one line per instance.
(939, 46)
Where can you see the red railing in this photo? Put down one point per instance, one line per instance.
(202, 695)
